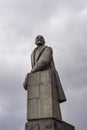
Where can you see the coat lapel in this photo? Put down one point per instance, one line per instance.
(38, 53)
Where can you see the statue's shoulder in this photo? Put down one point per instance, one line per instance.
(34, 51)
(49, 48)
(44, 48)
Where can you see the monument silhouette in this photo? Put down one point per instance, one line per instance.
(44, 91)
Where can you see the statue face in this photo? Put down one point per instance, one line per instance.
(39, 40)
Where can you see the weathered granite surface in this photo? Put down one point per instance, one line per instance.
(48, 124)
(44, 91)
(42, 96)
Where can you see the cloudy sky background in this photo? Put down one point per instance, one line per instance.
(63, 23)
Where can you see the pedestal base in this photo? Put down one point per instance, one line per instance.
(48, 124)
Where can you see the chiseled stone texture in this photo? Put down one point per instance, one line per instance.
(42, 97)
(48, 124)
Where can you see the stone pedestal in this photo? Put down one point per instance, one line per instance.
(48, 124)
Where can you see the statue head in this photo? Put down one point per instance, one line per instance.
(39, 41)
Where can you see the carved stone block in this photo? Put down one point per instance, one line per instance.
(42, 97)
(48, 124)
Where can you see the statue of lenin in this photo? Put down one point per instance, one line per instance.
(44, 89)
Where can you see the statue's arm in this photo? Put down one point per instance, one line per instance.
(44, 60)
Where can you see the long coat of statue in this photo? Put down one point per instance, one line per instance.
(42, 59)
(44, 89)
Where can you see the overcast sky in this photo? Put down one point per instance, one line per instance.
(63, 23)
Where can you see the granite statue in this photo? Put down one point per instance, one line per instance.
(44, 91)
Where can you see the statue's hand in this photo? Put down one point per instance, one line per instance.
(25, 83)
(33, 70)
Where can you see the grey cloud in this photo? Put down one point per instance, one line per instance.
(63, 23)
